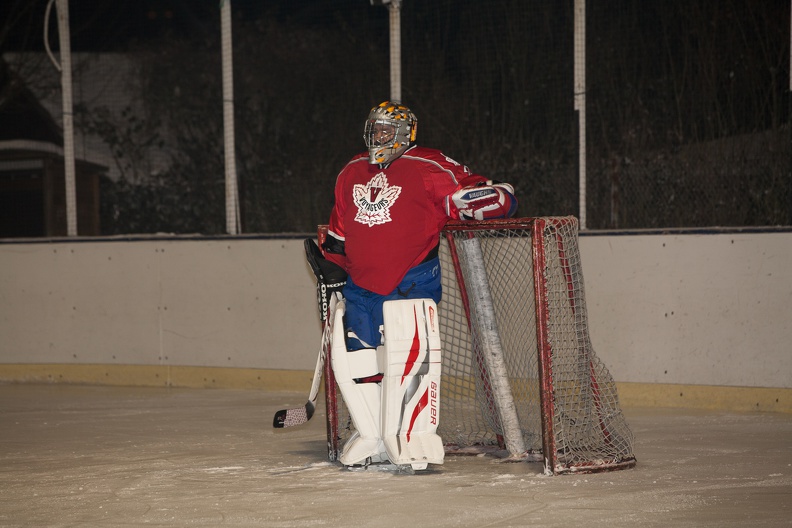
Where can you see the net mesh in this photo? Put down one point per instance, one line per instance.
(589, 427)
(470, 418)
(586, 430)
(686, 122)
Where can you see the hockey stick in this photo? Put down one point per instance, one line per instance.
(300, 415)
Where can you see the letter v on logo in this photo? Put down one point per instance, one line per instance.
(374, 193)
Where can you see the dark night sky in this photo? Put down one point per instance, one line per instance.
(112, 25)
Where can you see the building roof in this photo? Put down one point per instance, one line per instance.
(22, 117)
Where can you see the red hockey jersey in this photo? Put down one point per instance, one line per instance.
(390, 219)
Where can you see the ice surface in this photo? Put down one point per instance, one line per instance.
(122, 457)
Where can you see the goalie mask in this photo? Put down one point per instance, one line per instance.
(390, 130)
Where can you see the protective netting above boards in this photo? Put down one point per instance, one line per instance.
(687, 106)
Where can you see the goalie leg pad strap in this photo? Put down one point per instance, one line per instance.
(362, 399)
(411, 382)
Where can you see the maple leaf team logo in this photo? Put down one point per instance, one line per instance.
(374, 200)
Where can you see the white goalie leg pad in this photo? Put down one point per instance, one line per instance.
(410, 361)
(363, 400)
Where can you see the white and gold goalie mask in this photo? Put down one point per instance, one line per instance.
(390, 130)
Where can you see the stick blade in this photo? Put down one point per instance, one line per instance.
(292, 417)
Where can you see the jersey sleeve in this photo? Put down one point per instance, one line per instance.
(334, 246)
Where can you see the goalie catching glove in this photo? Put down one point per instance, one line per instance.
(330, 277)
(485, 201)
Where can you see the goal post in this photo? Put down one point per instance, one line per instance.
(520, 377)
(483, 326)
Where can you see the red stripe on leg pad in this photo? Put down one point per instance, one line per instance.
(414, 349)
(418, 408)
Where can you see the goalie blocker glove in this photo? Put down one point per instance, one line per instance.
(485, 201)
(330, 277)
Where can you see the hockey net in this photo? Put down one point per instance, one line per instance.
(520, 376)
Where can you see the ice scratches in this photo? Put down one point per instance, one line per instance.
(510, 480)
(226, 469)
(290, 470)
(396, 469)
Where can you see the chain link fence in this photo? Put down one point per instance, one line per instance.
(687, 109)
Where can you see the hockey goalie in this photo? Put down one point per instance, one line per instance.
(380, 262)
